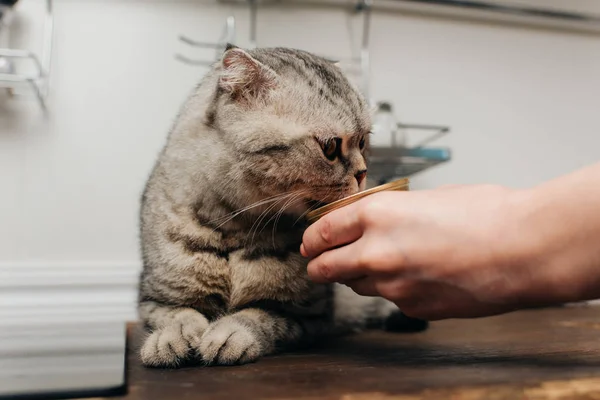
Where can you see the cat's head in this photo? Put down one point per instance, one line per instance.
(294, 123)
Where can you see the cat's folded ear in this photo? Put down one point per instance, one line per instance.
(243, 75)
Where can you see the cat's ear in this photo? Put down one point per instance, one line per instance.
(244, 75)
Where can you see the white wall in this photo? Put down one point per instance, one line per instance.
(522, 104)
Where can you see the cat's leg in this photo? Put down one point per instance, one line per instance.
(251, 333)
(400, 322)
(182, 286)
(175, 334)
(353, 312)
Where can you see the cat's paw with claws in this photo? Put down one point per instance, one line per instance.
(174, 344)
(228, 342)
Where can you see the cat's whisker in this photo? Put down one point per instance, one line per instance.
(304, 214)
(263, 215)
(290, 197)
(248, 207)
(276, 221)
(295, 196)
(315, 206)
(234, 214)
(256, 222)
(243, 209)
(310, 208)
(282, 210)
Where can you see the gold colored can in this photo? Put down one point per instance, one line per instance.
(400, 184)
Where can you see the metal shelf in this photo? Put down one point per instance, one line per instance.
(388, 163)
(11, 78)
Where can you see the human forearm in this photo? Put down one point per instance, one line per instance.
(561, 229)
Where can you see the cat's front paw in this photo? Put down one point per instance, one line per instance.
(165, 348)
(174, 344)
(228, 342)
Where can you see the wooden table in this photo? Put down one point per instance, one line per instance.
(537, 354)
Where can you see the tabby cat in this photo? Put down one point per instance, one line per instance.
(266, 136)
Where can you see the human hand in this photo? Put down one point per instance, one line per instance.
(451, 252)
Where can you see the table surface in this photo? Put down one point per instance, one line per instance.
(536, 354)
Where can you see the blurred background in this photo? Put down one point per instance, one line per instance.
(515, 96)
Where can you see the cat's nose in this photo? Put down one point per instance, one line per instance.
(360, 176)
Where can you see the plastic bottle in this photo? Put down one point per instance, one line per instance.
(385, 128)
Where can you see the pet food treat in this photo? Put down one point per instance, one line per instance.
(400, 184)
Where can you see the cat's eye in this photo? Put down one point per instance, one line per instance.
(361, 144)
(331, 148)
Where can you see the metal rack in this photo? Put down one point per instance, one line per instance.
(37, 81)
(391, 162)
(538, 13)
(529, 12)
(227, 36)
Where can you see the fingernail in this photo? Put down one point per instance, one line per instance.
(302, 251)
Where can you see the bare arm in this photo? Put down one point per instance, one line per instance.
(563, 220)
(466, 251)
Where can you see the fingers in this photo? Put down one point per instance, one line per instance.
(338, 265)
(337, 228)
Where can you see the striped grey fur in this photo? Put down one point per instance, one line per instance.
(222, 211)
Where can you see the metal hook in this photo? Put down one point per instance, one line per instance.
(227, 36)
(365, 6)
